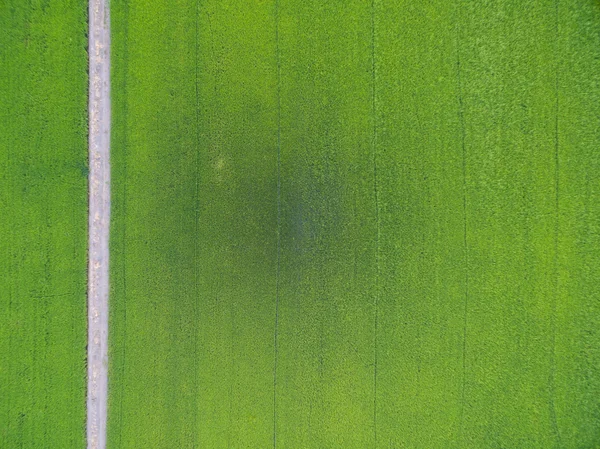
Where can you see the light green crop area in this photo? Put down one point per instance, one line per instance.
(355, 224)
(43, 223)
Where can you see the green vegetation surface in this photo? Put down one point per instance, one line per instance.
(43, 223)
(354, 224)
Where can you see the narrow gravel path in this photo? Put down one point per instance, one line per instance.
(99, 220)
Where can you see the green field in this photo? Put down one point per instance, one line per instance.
(43, 224)
(355, 224)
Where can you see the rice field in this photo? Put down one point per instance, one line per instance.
(43, 224)
(342, 224)
(355, 224)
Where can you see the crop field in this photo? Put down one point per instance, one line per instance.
(355, 224)
(43, 223)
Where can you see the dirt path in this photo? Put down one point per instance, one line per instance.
(99, 219)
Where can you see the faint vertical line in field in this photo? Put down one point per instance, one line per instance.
(196, 226)
(461, 118)
(125, 119)
(552, 376)
(377, 220)
(232, 369)
(9, 273)
(276, 332)
(98, 221)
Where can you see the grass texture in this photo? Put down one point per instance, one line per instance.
(355, 224)
(43, 224)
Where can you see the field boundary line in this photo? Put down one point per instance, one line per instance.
(98, 221)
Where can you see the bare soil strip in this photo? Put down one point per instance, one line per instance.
(99, 220)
